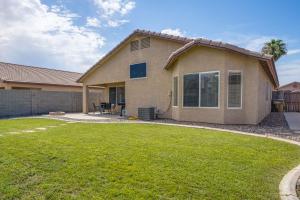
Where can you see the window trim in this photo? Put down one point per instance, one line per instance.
(242, 86)
(199, 74)
(139, 77)
(177, 92)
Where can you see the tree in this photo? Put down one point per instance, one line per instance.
(276, 48)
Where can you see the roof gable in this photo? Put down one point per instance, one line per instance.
(268, 59)
(137, 32)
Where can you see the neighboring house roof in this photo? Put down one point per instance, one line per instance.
(295, 85)
(188, 44)
(37, 75)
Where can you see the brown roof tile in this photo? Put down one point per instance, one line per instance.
(38, 75)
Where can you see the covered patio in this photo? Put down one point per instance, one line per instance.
(112, 100)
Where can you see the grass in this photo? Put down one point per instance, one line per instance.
(134, 161)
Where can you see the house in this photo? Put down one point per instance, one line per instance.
(13, 76)
(185, 79)
(291, 87)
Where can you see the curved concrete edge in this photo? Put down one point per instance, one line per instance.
(287, 186)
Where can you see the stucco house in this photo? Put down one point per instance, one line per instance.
(291, 87)
(185, 79)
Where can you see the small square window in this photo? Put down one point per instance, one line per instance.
(138, 70)
(134, 45)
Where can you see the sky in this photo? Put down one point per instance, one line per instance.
(74, 34)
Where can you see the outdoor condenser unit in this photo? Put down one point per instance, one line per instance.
(146, 113)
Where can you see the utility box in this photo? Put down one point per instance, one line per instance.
(146, 113)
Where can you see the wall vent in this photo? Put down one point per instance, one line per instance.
(145, 43)
(134, 45)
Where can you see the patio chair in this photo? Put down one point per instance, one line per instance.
(96, 108)
(105, 108)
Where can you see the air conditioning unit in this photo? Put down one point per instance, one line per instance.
(146, 113)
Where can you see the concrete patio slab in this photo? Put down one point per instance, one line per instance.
(293, 120)
(91, 117)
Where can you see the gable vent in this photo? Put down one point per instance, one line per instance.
(145, 43)
(134, 45)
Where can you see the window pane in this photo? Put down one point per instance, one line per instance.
(175, 91)
(120, 95)
(209, 89)
(138, 70)
(191, 90)
(112, 95)
(234, 89)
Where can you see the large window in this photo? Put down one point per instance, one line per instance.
(209, 90)
(138, 70)
(201, 89)
(191, 90)
(235, 90)
(175, 91)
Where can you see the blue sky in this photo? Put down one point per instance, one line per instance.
(73, 35)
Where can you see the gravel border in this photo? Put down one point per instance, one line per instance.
(274, 124)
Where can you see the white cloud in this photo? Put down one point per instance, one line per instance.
(293, 51)
(250, 42)
(176, 32)
(111, 7)
(113, 11)
(92, 22)
(288, 71)
(33, 33)
(116, 23)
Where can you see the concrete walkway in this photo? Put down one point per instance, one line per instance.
(293, 120)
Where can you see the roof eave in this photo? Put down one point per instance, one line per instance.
(35, 83)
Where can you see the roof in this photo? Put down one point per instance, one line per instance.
(37, 75)
(137, 32)
(292, 83)
(189, 43)
(220, 45)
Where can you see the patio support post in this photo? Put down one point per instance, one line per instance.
(85, 102)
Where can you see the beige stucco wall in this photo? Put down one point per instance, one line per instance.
(202, 59)
(42, 87)
(155, 90)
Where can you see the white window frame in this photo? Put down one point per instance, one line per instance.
(199, 74)
(242, 86)
(177, 92)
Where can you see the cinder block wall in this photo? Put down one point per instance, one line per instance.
(35, 102)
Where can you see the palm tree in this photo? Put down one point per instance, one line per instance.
(276, 48)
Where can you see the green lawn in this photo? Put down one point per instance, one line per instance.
(134, 161)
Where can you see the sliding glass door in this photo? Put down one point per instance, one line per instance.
(117, 95)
